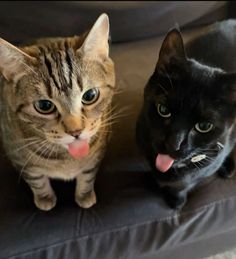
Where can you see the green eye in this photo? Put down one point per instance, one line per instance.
(90, 96)
(204, 127)
(44, 107)
(163, 111)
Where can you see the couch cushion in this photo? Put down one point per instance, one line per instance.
(129, 20)
(131, 220)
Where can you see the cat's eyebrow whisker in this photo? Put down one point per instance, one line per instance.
(168, 76)
(164, 90)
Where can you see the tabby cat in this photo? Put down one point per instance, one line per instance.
(55, 108)
(186, 128)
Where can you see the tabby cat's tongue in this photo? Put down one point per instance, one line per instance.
(78, 148)
(164, 162)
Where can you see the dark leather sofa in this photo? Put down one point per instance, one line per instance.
(130, 220)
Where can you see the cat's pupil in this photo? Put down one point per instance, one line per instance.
(45, 105)
(164, 110)
(204, 125)
(90, 96)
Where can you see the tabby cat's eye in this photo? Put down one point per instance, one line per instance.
(204, 127)
(90, 96)
(163, 110)
(44, 106)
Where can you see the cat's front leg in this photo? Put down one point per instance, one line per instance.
(44, 196)
(85, 195)
(175, 199)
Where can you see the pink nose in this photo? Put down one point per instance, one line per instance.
(75, 133)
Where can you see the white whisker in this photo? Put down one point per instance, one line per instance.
(23, 147)
(29, 158)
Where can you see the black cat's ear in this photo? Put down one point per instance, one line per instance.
(172, 50)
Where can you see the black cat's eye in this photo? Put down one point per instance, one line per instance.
(163, 110)
(90, 96)
(44, 106)
(204, 127)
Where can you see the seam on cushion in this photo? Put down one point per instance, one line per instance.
(130, 227)
(197, 239)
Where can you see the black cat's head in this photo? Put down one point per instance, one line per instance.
(188, 106)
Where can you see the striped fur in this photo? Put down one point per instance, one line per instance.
(60, 70)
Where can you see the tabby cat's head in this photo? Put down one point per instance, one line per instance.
(188, 106)
(60, 87)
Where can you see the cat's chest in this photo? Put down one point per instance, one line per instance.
(68, 169)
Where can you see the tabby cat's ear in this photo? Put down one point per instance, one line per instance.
(13, 61)
(172, 50)
(96, 43)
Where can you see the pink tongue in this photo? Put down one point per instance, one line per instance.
(78, 148)
(164, 162)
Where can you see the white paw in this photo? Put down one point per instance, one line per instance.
(45, 202)
(86, 201)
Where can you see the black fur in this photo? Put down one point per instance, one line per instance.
(196, 87)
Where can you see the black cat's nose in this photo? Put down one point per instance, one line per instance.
(75, 133)
(175, 143)
(173, 146)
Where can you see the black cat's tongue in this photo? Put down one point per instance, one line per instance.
(164, 162)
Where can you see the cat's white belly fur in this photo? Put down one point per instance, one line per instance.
(65, 169)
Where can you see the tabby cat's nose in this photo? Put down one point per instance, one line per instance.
(75, 133)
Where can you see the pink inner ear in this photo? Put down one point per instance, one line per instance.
(78, 149)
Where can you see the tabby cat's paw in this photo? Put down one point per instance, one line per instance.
(86, 200)
(46, 202)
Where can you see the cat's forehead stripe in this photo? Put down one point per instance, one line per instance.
(50, 71)
(59, 68)
(69, 62)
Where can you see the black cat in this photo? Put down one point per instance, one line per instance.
(186, 127)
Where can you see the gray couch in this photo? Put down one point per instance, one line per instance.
(131, 220)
